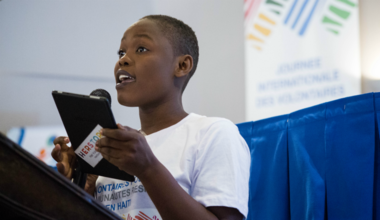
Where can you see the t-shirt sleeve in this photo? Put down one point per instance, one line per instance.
(221, 170)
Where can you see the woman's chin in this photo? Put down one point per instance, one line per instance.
(127, 102)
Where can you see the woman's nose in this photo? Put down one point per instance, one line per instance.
(125, 60)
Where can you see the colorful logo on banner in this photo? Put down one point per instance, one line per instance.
(299, 53)
(297, 16)
(333, 24)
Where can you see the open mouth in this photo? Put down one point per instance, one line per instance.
(124, 77)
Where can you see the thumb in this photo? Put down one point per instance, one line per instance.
(120, 126)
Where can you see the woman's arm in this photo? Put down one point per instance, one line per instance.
(173, 202)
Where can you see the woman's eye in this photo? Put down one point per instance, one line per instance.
(141, 49)
(120, 53)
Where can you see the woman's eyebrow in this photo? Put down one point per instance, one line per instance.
(140, 36)
(143, 36)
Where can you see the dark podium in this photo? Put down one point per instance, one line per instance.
(29, 189)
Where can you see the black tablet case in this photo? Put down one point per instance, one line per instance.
(80, 114)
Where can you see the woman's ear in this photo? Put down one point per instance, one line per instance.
(184, 65)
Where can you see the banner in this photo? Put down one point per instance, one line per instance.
(299, 53)
(37, 140)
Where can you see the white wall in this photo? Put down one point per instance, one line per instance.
(370, 44)
(71, 46)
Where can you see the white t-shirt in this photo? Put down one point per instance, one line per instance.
(206, 155)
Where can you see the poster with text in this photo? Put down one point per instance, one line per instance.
(299, 53)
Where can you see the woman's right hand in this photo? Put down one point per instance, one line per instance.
(65, 156)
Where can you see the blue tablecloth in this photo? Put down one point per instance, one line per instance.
(320, 162)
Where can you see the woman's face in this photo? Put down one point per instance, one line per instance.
(144, 73)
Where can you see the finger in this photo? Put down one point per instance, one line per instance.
(56, 153)
(126, 127)
(61, 140)
(110, 159)
(72, 157)
(112, 143)
(60, 168)
(120, 126)
(107, 142)
(122, 133)
(110, 152)
(92, 176)
(65, 168)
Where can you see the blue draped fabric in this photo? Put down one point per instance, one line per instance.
(376, 188)
(307, 163)
(269, 169)
(245, 130)
(321, 162)
(350, 145)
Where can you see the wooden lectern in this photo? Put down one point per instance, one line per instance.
(29, 189)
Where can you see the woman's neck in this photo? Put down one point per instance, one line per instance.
(161, 116)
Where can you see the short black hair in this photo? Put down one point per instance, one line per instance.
(181, 37)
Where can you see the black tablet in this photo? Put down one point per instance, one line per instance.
(81, 114)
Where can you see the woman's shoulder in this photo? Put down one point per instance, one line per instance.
(206, 122)
(204, 125)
